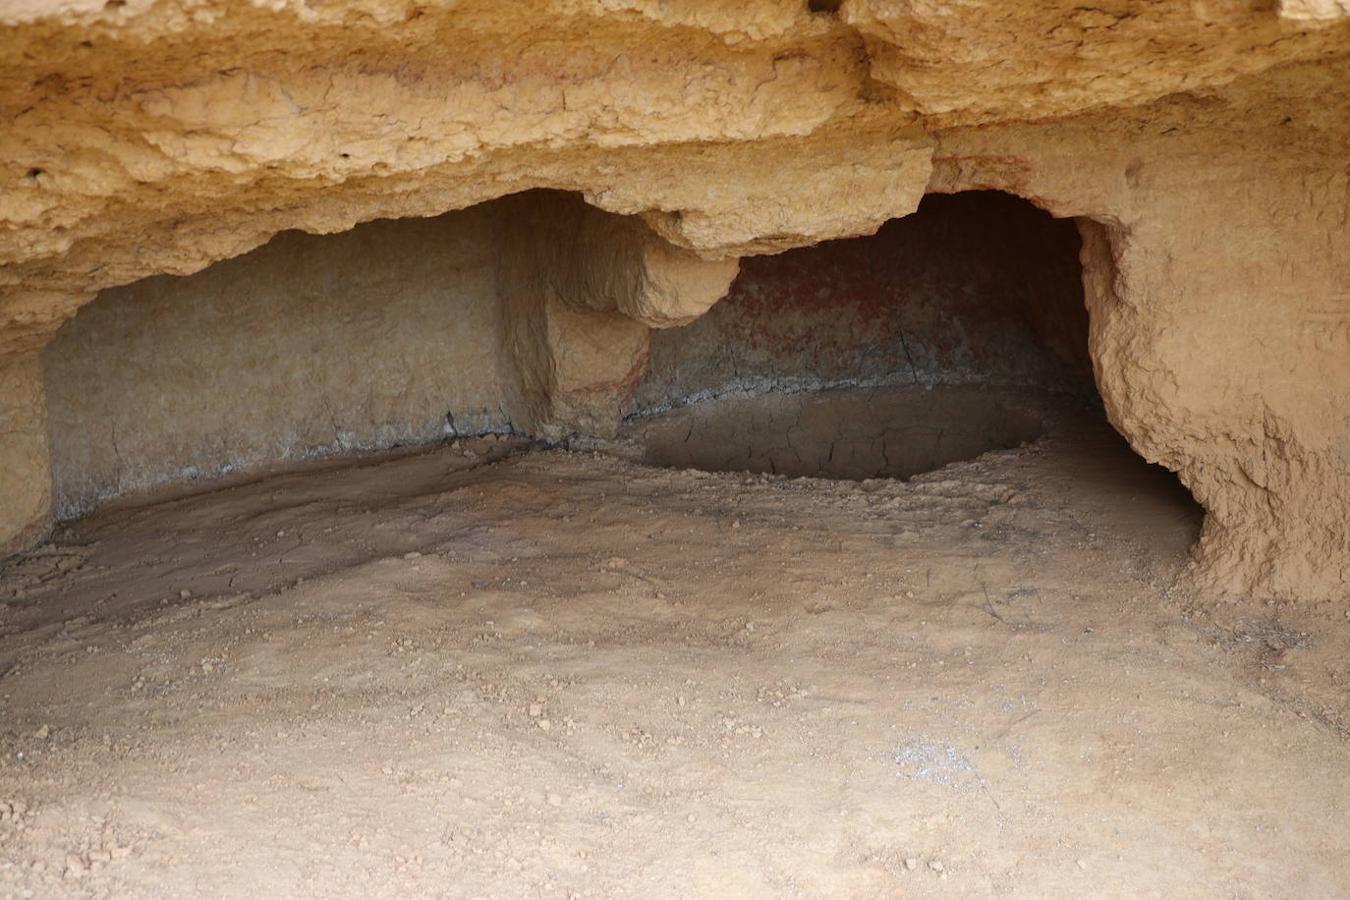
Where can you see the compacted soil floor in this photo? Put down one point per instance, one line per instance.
(486, 670)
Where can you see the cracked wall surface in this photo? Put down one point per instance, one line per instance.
(1208, 140)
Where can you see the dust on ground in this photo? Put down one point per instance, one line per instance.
(486, 671)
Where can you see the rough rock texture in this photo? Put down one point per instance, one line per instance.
(588, 259)
(580, 288)
(1207, 139)
(979, 287)
(1216, 284)
(380, 336)
(24, 462)
(528, 313)
(576, 367)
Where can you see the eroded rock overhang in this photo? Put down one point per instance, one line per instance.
(1202, 147)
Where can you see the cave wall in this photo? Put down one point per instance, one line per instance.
(1216, 281)
(1206, 141)
(307, 346)
(528, 313)
(977, 287)
(581, 290)
(25, 473)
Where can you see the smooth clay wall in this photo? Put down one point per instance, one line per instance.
(309, 345)
(978, 287)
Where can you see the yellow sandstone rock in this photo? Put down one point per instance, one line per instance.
(1202, 148)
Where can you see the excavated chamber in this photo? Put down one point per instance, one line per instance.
(955, 331)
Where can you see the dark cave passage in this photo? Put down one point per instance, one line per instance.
(955, 331)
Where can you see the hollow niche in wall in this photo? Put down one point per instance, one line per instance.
(955, 331)
(527, 314)
(308, 346)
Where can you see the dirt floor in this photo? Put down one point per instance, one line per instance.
(487, 671)
(848, 433)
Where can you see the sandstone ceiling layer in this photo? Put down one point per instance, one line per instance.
(152, 136)
(1203, 143)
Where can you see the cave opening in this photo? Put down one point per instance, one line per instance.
(949, 333)
(955, 331)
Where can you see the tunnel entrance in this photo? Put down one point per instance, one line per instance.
(949, 333)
